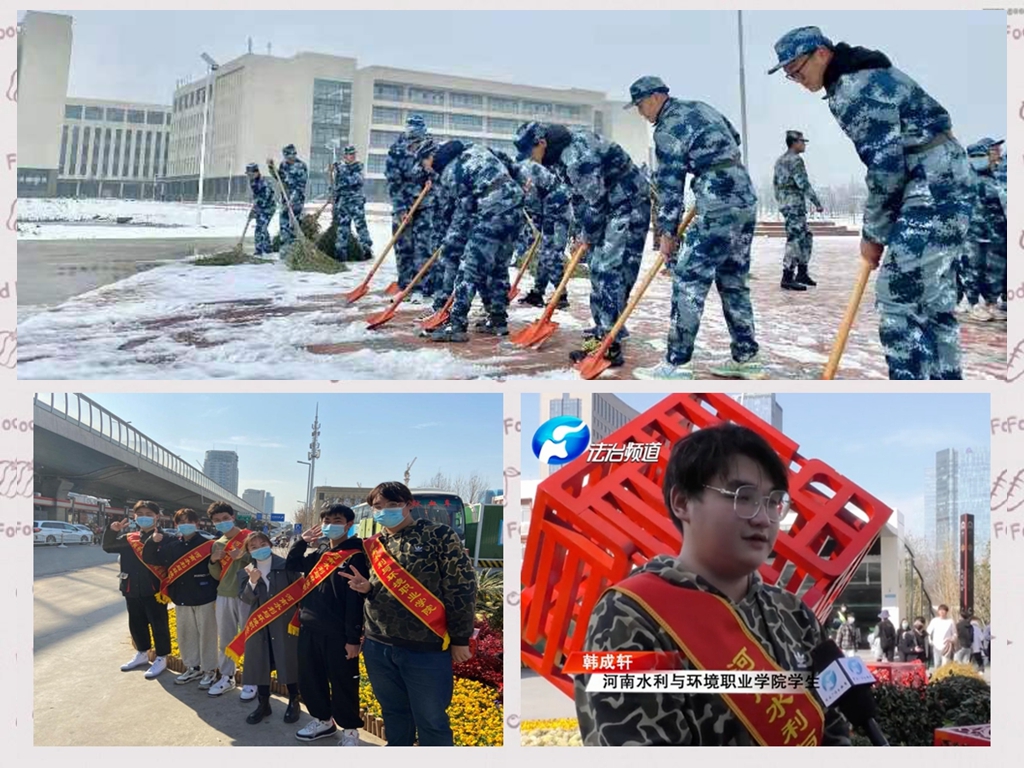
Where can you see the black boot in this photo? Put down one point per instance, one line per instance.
(789, 283)
(262, 710)
(613, 355)
(534, 298)
(291, 715)
(803, 277)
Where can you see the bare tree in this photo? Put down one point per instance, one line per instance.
(306, 516)
(468, 488)
(941, 574)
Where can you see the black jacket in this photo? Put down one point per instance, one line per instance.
(332, 608)
(910, 640)
(194, 587)
(136, 579)
(887, 635)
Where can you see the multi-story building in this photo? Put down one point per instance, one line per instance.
(319, 103)
(113, 149)
(259, 499)
(222, 468)
(44, 64)
(958, 484)
(325, 495)
(268, 503)
(765, 407)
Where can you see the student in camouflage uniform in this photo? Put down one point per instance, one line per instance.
(792, 191)
(405, 178)
(613, 212)
(919, 194)
(725, 489)
(983, 264)
(263, 207)
(293, 175)
(486, 207)
(691, 137)
(409, 668)
(350, 205)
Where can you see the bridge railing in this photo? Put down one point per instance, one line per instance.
(90, 415)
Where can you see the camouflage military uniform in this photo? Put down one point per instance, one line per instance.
(405, 178)
(549, 196)
(294, 177)
(692, 137)
(792, 191)
(918, 205)
(350, 208)
(786, 629)
(613, 213)
(263, 206)
(486, 208)
(985, 260)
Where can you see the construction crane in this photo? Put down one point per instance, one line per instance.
(408, 468)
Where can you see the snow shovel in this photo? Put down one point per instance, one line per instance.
(440, 317)
(363, 287)
(538, 332)
(594, 364)
(514, 290)
(377, 320)
(851, 315)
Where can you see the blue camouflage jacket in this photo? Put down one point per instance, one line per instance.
(886, 114)
(603, 179)
(294, 177)
(263, 198)
(988, 216)
(348, 179)
(691, 137)
(792, 187)
(405, 176)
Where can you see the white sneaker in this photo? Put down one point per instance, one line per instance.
(248, 693)
(226, 683)
(665, 370)
(963, 307)
(141, 658)
(981, 313)
(748, 369)
(316, 729)
(998, 313)
(208, 679)
(158, 666)
(188, 676)
(350, 737)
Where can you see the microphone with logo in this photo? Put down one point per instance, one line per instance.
(847, 683)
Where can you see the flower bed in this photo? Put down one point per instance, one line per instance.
(564, 732)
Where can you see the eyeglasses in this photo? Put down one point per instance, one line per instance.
(747, 502)
(795, 74)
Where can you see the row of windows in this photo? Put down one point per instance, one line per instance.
(192, 98)
(97, 153)
(419, 95)
(116, 115)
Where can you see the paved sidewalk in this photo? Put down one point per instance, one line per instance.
(83, 699)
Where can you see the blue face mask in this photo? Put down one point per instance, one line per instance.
(186, 529)
(389, 518)
(333, 530)
(979, 163)
(263, 553)
(352, 531)
(224, 526)
(144, 521)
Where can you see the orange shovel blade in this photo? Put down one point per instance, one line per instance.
(392, 289)
(535, 333)
(593, 365)
(353, 296)
(377, 320)
(436, 320)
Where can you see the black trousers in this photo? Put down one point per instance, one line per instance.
(146, 612)
(328, 681)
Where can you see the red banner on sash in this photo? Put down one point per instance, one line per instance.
(402, 585)
(720, 640)
(285, 600)
(135, 540)
(234, 544)
(188, 561)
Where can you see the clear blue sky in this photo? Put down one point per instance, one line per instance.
(363, 438)
(883, 442)
(958, 56)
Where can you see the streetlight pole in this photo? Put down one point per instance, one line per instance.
(743, 92)
(211, 67)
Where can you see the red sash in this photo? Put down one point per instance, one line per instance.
(285, 600)
(234, 544)
(717, 640)
(419, 600)
(188, 561)
(135, 540)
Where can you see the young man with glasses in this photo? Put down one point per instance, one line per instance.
(920, 193)
(726, 491)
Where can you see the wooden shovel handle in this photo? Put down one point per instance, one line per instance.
(549, 310)
(851, 315)
(398, 232)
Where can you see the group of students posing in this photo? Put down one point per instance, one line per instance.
(405, 599)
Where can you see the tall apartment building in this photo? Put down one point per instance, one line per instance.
(319, 103)
(259, 499)
(222, 468)
(113, 149)
(958, 484)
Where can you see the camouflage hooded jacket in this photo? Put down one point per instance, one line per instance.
(784, 626)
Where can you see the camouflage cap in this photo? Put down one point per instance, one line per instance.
(527, 137)
(796, 43)
(979, 148)
(643, 87)
(290, 151)
(991, 142)
(349, 150)
(252, 168)
(796, 136)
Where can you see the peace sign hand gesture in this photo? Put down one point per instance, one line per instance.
(357, 582)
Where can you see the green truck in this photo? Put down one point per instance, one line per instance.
(485, 534)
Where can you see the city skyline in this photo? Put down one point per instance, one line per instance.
(874, 428)
(973, 89)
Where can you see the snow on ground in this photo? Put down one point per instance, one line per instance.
(266, 322)
(68, 219)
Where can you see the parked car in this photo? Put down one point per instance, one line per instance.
(54, 532)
